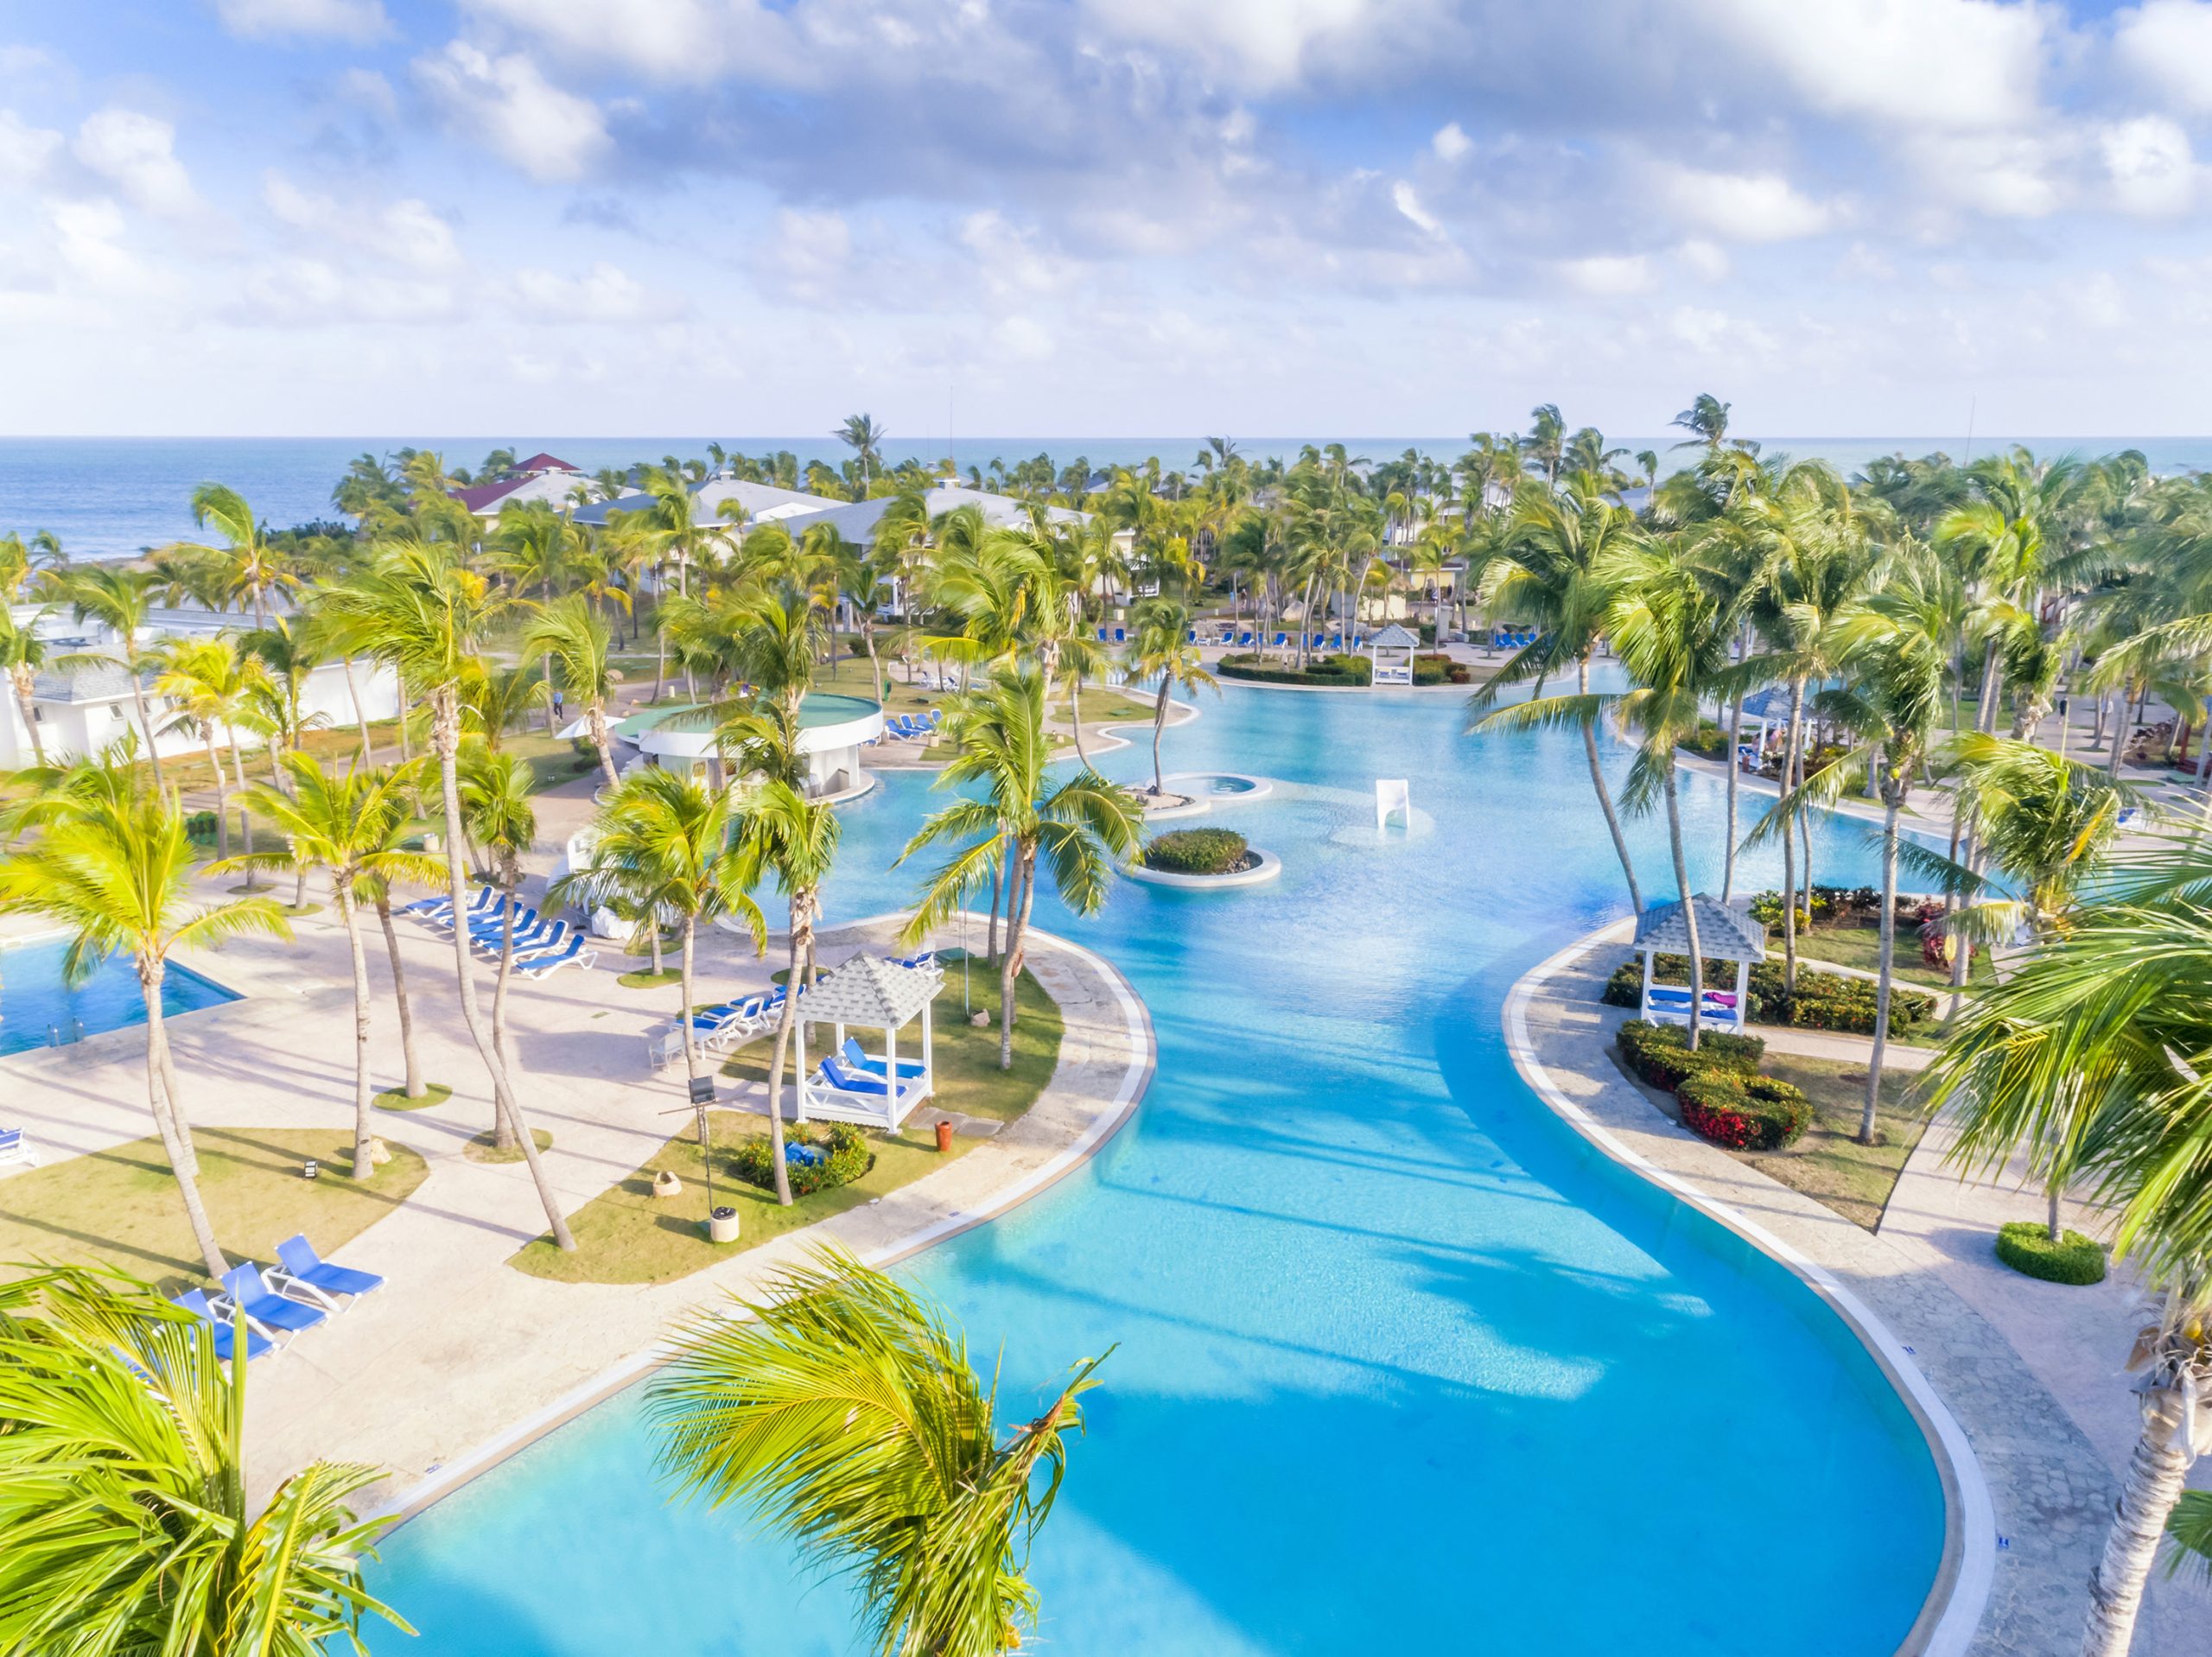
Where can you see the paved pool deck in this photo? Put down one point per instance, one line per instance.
(2030, 1372)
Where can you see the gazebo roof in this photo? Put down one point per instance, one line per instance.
(868, 991)
(1395, 637)
(1725, 932)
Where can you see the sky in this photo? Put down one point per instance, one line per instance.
(1046, 218)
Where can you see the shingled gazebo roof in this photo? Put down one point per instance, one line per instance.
(1725, 932)
(869, 992)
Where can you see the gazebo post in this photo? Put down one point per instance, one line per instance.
(1644, 1007)
(890, 1075)
(929, 1061)
(1743, 994)
(798, 1034)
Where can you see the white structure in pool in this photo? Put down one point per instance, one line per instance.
(1392, 652)
(83, 709)
(1393, 795)
(854, 1085)
(832, 730)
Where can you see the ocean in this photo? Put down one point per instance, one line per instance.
(108, 498)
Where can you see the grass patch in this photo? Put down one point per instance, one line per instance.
(627, 1234)
(120, 1207)
(1861, 947)
(646, 978)
(434, 1093)
(485, 1146)
(1827, 1164)
(2026, 1246)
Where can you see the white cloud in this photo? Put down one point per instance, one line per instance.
(1451, 141)
(1407, 200)
(24, 150)
(2167, 45)
(1011, 259)
(137, 153)
(808, 258)
(1704, 259)
(359, 21)
(314, 293)
(603, 294)
(1741, 206)
(368, 90)
(1264, 44)
(1916, 64)
(88, 243)
(1026, 338)
(2149, 160)
(407, 232)
(2004, 176)
(1607, 274)
(507, 104)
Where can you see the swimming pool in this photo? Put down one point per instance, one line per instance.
(1402, 1363)
(39, 1009)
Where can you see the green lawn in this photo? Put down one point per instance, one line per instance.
(120, 1207)
(1827, 1164)
(625, 1235)
(1861, 947)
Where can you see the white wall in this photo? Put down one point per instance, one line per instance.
(69, 729)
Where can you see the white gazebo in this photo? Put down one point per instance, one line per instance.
(1392, 652)
(874, 1090)
(1725, 932)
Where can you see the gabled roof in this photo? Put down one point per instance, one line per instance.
(1725, 932)
(869, 991)
(763, 503)
(478, 497)
(1396, 638)
(543, 462)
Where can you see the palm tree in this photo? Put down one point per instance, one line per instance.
(1082, 826)
(568, 633)
(249, 565)
(115, 870)
(1162, 650)
(866, 439)
(120, 600)
(124, 1493)
(420, 609)
(345, 824)
(210, 686)
(22, 653)
(502, 824)
(667, 843)
(783, 833)
(843, 1409)
(1555, 568)
(1706, 420)
(2107, 1025)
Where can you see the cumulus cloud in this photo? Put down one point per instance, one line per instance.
(605, 292)
(407, 232)
(359, 21)
(1012, 260)
(508, 105)
(2166, 45)
(314, 293)
(2150, 165)
(1407, 200)
(89, 247)
(25, 150)
(1258, 44)
(1741, 206)
(137, 153)
(1609, 273)
(1451, 141)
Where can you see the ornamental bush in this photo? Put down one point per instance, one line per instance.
(1661, 1055)
(1323, 670)
(843, 1157)
(1197, 851)
(1439, 668)
(1742, 1112)
(2026, 1246)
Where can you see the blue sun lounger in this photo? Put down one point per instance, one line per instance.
(857, 1058)
(303, 1267)
(195, 1301)
(264, 1307)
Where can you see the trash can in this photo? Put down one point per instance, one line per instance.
(721, 1225)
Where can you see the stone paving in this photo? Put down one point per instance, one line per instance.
(2049, 1492)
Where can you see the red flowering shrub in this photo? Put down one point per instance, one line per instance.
(1744, 1113)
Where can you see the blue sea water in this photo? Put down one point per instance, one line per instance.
(38, 1005)
(1399, 1362)
(112, 496)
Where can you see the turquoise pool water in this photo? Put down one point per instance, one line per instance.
(38, 1009)
(1402, 1365)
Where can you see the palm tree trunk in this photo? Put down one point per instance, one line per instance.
(875, 668)
(1985, 713)
(245, 823)
(345, 898)
(776, 1063)
(1790, 844)
(145, 720)
(1010, 974)
(1885, 965)
(684, 1008)
(168, 1122)
(1735, 771)
(23, 686)
(415, 1088)
(222, 798)
(2147, 1495)
(360, 716)
(998, 891)
(1606, 795)
(1689, 907)
(506, 1129)
(1159, 724)
(445, 737)
(1075, 715)
(597, 710)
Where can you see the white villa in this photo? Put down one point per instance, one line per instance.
(543, 479)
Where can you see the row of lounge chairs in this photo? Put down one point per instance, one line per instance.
(725, 1024)
(1512, 638)
(14, 1147)
(279, 1302)
(912, 727)
(542, 945)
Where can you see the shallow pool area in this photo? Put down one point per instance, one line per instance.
(40, 1008)
(1400, 1361)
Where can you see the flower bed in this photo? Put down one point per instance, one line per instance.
(1822, 1000)
(1199, 851)
(839, 1157)
(2026, 1246)
(1338, 671)
(1438, 669)
(1718, 1090)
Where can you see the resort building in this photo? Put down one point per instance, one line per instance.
(762, 502)
(833, 730)
(543, 479)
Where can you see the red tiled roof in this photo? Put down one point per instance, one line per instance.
(544, 462)
(485, 494)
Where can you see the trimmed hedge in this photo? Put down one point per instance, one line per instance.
(845, 1156)
(2026, 1246)
(1326, 670)
(1823, 1001)
(1661, 1055)
(1198, 851)
(1440, 669)
(1742, 1112)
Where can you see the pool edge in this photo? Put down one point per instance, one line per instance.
(1951, 1614)
(1136, 1081)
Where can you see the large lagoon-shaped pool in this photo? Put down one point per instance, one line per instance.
(40, 1008)
(1402, 1364)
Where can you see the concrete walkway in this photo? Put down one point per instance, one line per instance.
(459, 1357)
(2032, 1493)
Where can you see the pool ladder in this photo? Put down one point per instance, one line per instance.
(76, 1033)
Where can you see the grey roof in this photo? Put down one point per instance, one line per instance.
(1395, 638)
(94, 682)
(868, 990)
(761, 501)
(1725, 932)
